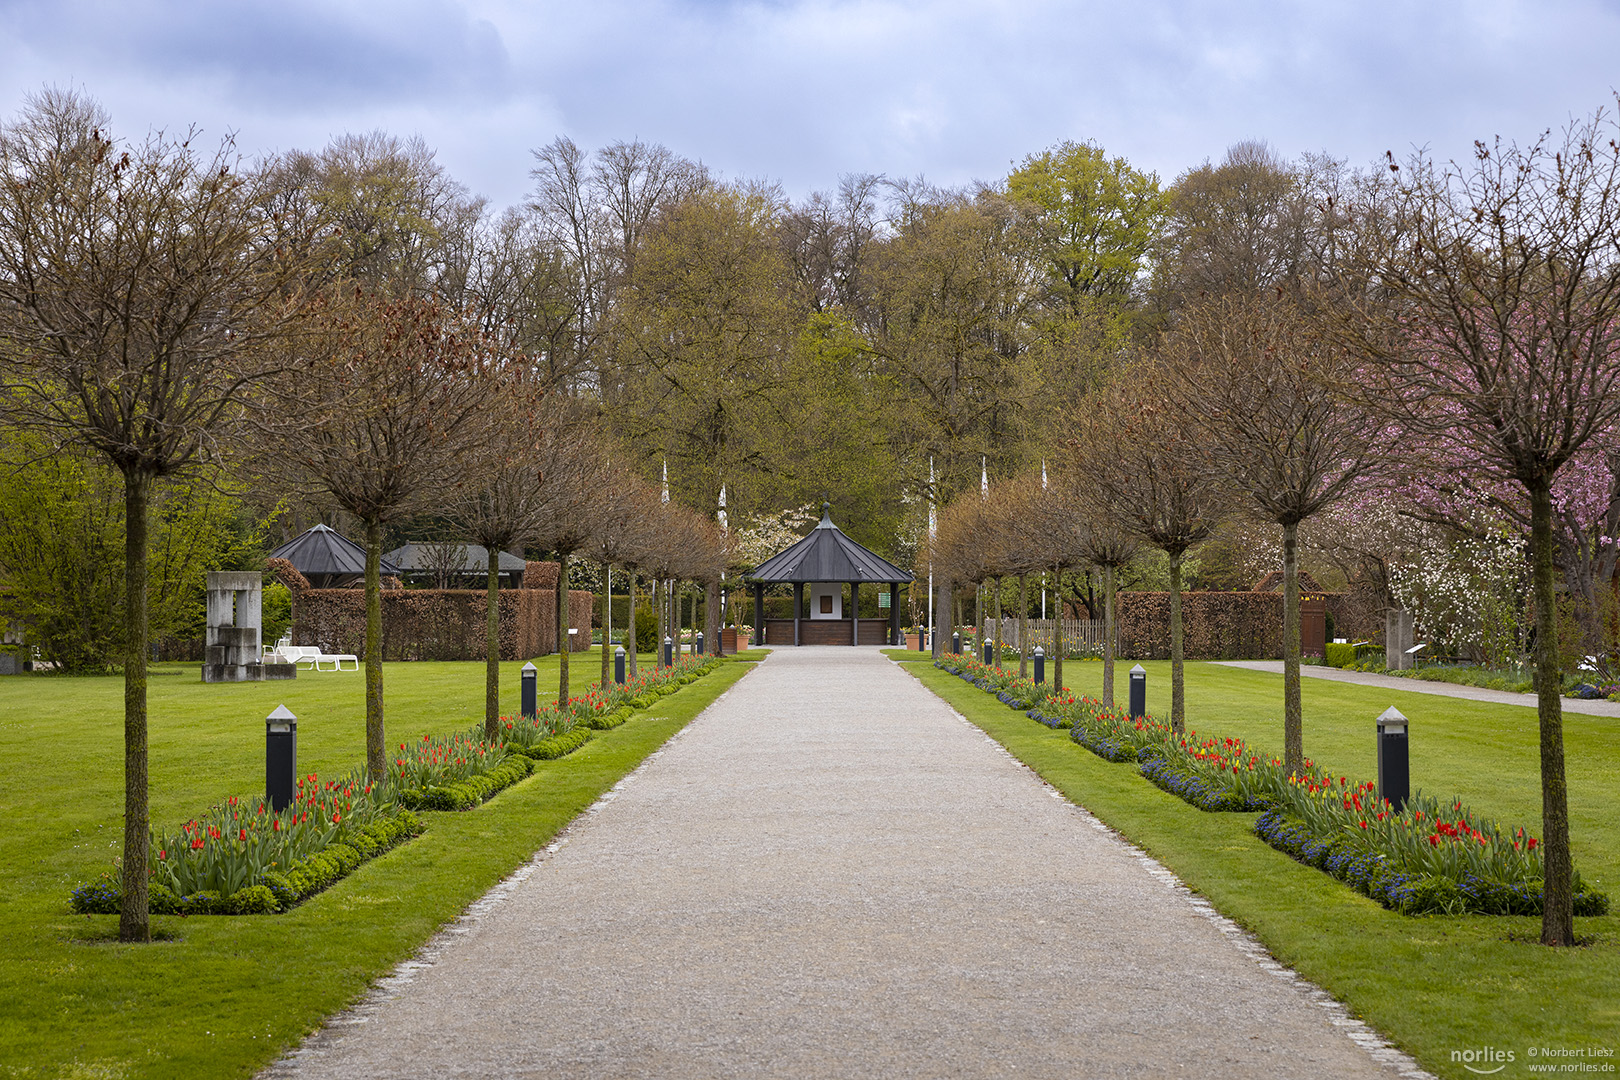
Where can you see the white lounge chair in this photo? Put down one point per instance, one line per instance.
(311, 655)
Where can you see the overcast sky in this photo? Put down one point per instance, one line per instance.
(802, 91)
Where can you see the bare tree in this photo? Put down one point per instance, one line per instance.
(574, 479)
(1264, 394)
(1138, 470)
(382, 409)
(1491, 323)
(505, 503)
(139, 287)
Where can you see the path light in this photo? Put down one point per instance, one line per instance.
(1040, 665)
(956, 643)
(618, 665)
(530, 675)
(280, 757)
(1138, 692)
(697, 649)
(1394, 770)
(669, 651)
(988, 645)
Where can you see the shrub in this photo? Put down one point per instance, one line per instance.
(1340, 655)
(558, 746)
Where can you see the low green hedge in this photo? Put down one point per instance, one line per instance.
(555, 747)
(609, 720)
(468, 793)
(276, 891)
(1340, 655)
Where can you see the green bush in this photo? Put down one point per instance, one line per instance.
(611, 720)
(646, 630)
(1340, 655)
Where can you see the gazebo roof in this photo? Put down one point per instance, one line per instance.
(452, 558)
(827, 555)
(319, 550)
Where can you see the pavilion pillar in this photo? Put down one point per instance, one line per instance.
(894, 614)
(759, 614)
(798, 609)
(855, 612)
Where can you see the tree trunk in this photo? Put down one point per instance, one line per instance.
(492, 649)
(1178, 702)
(1558, 897)
(1057, 631)
(133, 919)
(1293, 713)
(995, 607)
(711, 617)
(658, 622)
(937, 647)
(978, 618)
(1108, 637)
(376, 761)
(1023, 626)
(630, 633)
(607, 620)
(562, 629)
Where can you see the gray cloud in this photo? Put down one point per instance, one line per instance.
(803, 90)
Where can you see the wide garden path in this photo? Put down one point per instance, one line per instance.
(830, 874)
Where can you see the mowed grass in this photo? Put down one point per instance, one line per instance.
(1433, 985)
(222, 997)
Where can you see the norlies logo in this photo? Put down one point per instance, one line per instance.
(1485, 1061)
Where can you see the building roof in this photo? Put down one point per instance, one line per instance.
(320, 551)
(431, 557)
(827, 555)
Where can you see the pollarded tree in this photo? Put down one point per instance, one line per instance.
(1263, 393)
(140, 286)
(1496, 339)
(1075, 533)
(383, 406)
(573, 478)
(1137, 468)
(504, 502)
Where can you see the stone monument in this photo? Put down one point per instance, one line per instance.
(235, 603)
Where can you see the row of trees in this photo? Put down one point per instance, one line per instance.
(1453, 357)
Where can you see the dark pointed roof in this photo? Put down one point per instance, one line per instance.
(827, 555)
(457, 558)
(320, 551)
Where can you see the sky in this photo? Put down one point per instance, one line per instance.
(803, 91)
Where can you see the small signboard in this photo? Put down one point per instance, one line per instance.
(883, 599)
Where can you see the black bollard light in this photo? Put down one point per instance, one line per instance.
(1040, 665)
(698, 650)
(987, 647)
(1138, 692)
(956, 643)
(1394, 771)
(280, 758)
(669, 652)
(530, 677)
(618, 665)
(922, 637)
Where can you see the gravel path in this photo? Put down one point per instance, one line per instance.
(1419, 686)
(830, 874)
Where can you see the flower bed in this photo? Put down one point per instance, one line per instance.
(454, 772)
(241, 858)
(1428, 858)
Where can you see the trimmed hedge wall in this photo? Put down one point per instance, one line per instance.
(434, 624)
(1215, 625)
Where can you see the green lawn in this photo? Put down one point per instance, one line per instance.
(223, 996)
(1433, 985)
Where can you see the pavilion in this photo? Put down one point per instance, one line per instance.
(827, 560)
(328, 559)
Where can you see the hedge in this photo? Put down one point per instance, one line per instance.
(555, 747)
(468, 793)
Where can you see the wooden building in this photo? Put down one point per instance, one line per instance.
(827, 562)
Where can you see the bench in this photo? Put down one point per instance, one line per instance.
(313, 656)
